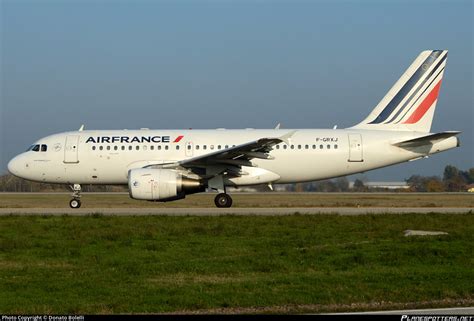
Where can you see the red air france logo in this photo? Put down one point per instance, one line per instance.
(177, 140)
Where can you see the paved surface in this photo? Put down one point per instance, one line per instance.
(445, 311)
(236, 211)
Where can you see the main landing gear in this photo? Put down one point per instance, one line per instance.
(76, 196)
(223, 200)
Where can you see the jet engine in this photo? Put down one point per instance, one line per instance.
(161, 184)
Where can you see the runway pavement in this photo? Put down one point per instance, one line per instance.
(235, 211)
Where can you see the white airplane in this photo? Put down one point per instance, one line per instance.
(166, 165)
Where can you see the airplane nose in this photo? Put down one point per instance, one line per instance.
(14, 166)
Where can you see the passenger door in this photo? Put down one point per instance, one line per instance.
(71, 150)
(355, 148)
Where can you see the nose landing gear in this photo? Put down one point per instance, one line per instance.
(76, 196)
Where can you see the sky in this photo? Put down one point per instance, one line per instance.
(233, 64)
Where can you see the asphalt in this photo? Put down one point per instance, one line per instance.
(235, 211)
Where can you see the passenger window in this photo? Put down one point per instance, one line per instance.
(277, 146)
(137, 148)
(335, 146)
(189, 147)
(204, 147)
(152, 147)
(292, 146)
(197, 147)
(314, 146)
(328, 146)
(218, 146)
(321, 146)
(130, 147)
(101, 147)
(93, 147)
(285, 147)
(299, 146)
(144, 147)
(226, 146)
(306, 146)
(123, 147)
(211, 147)
(166, 147)
(159, 147)
(115, 147)
(108, 147)
(177, 147)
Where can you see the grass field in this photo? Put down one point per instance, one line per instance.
(233, 264)
(250, 200)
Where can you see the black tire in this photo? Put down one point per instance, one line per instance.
(223, 200)
(75, 203)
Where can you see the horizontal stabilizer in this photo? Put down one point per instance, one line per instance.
(428, 139)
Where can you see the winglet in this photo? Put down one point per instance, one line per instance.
(81, 128)
(286, 138)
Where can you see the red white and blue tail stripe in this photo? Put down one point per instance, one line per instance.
(410, 103)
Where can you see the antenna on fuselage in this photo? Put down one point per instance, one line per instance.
(81, 128)
(278, 126)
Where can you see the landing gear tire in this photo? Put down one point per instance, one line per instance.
(223, 200)
(75, 203)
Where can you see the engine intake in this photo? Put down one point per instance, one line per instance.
(161, 184)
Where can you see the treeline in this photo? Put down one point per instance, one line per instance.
(453, 180)
(10, 183)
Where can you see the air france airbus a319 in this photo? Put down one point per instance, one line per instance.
(166, 165)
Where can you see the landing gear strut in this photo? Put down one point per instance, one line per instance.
(223, 200)
(76, 196)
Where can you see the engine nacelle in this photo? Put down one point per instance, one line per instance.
(161, 184)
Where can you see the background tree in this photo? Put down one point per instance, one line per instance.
(359, 185)
(453, 179)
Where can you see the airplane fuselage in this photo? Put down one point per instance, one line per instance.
(106, 156)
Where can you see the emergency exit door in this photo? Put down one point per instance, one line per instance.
(189, 149)
(355, 148)
(71, 149)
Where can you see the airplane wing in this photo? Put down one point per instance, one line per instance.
(234, 157)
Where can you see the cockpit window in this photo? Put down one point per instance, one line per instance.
(38, 147)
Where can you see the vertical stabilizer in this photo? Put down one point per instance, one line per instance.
(410, 104)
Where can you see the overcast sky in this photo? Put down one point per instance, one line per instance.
(233, 64)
